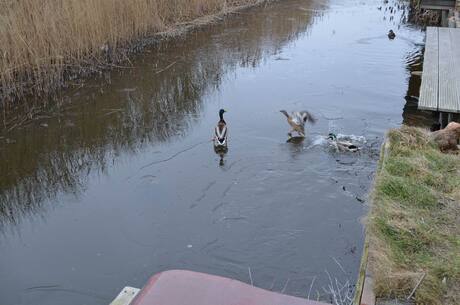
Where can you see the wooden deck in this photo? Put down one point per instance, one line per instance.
(440, 90)
(437, 4)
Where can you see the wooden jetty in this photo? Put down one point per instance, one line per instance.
(440, 89)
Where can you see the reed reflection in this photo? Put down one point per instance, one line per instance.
(158, 100)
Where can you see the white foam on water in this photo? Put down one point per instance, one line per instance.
(352, 138)
(318, 141)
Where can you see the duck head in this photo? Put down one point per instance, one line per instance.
(332, 136)
(221, 113)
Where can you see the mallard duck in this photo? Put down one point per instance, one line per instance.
(297, 121)
(391, 34)
(342, 145)
(220, 132)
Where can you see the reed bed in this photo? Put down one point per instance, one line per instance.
(46, 43)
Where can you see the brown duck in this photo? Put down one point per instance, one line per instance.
(297, 120)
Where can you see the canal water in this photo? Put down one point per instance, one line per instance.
(120, 180)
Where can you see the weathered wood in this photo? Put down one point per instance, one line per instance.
(437, 4)
(448, 91)
(455, 37)
(430, 78)
(440, 90)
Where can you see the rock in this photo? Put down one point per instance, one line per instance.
(446, 139)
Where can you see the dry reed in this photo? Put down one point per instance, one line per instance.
(45, 43)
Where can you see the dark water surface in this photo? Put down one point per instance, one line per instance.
(123, 182)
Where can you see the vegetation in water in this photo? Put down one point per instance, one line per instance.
(414, 223)
(45, 44)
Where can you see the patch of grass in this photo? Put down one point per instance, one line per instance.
(414, 221)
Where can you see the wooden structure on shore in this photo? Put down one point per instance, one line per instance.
(437, 4)
(440, 89)
(446, 7)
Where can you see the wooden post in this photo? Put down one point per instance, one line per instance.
(440, 119)
(449, 117)
(451, 21)
(444, 18)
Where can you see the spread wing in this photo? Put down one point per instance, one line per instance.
(307, 116)
(297, 118)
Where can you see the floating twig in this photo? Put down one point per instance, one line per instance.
(311, 286)
(285, 285)
(175, 155)
(337, 262)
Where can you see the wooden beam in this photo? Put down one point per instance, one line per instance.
(455, 37)
(430, 78)
(448, 91)
(437, 4)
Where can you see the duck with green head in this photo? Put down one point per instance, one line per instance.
(341, 145)
(221, 131)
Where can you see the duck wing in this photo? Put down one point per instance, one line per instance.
(307, 116)
(297, 118)
(221, 131)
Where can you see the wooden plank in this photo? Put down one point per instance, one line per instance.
(125, 296)
(448, 91)
(437, 4)
(430, 78)
(455, 37)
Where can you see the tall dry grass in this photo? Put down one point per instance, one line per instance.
(43, 43)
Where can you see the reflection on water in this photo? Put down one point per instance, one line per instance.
(411, 115)
(121, 180)
(160, 97)
(221, 152)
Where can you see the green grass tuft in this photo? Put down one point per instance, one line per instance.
(413, 224)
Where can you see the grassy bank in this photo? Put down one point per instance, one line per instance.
(46, 43)
(414, 224)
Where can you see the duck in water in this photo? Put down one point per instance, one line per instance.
(220, 138)
(297, 120)
(391, 34)
(220, 132)
(341, 145)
